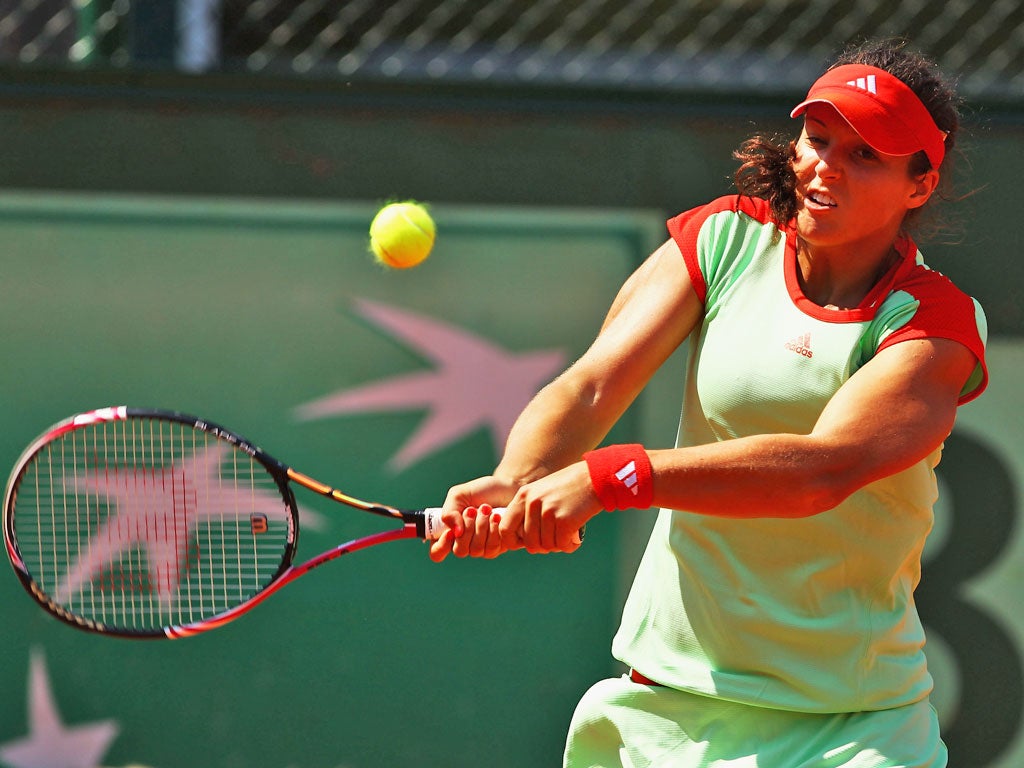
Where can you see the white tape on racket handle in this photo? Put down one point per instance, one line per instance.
(433, 527)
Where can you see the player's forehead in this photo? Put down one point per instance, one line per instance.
(825, 117)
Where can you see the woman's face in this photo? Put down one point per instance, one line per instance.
(848, 194)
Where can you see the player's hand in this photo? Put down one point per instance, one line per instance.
(547, 514)
(472, 525)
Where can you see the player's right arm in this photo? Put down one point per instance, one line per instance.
(653, 313)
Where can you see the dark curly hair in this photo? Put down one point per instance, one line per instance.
(766, 162)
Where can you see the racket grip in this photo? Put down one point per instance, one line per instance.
(433, 527)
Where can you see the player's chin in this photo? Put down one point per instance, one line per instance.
(810, 227)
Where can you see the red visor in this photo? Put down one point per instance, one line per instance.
(881, 108)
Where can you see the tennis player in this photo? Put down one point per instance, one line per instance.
(771, 623)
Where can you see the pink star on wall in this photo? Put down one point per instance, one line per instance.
(474, 383)
(50, 743)
(158, 510)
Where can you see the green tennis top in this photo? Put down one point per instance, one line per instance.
(813, 614)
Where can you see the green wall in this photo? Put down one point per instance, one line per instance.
(200, 244)
(235, 137)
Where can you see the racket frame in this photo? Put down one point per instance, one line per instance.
(423, 524)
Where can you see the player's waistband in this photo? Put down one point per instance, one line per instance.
(642, 679)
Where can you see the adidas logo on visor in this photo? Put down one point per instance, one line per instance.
(864, 83)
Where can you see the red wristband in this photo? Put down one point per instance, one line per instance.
(621, 476)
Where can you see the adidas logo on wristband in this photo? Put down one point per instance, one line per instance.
(628, 477)
(621, 476)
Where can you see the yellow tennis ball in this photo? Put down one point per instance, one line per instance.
(402, 234)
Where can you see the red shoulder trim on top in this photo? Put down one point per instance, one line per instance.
(944, 312)
(685, 228)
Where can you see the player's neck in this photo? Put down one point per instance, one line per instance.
(840, 278)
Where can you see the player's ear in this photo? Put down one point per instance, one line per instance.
(924, 186)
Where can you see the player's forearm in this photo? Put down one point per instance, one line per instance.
(855, 441)
(777, 475)
(556, 428)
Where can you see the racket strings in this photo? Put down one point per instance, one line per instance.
(144, 523)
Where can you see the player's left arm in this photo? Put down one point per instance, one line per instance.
(893, 412)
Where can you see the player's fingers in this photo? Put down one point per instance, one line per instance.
(509, 527)
(495, 541)
(452, 520)
(548, 530)
(494, 546)
(464, 542)
(481, 532)
(568, 539)
(503, 542)
(532, 528)
(442, 546)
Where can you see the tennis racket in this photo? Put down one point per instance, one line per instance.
(147, 523)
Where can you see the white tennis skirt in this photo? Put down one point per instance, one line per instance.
(622, 724)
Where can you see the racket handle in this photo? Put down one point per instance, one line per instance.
(433, 527)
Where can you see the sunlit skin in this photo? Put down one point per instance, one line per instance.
(852, 201)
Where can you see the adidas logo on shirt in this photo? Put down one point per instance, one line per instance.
(801, 345)
(628, 477)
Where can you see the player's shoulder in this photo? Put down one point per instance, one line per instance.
(753, 208)
(720, 240)
(928, 300)
(925, 303)
(926, 284)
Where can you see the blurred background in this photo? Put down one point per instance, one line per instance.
(185, 191)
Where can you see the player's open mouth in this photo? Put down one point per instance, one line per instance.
(821, 199)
